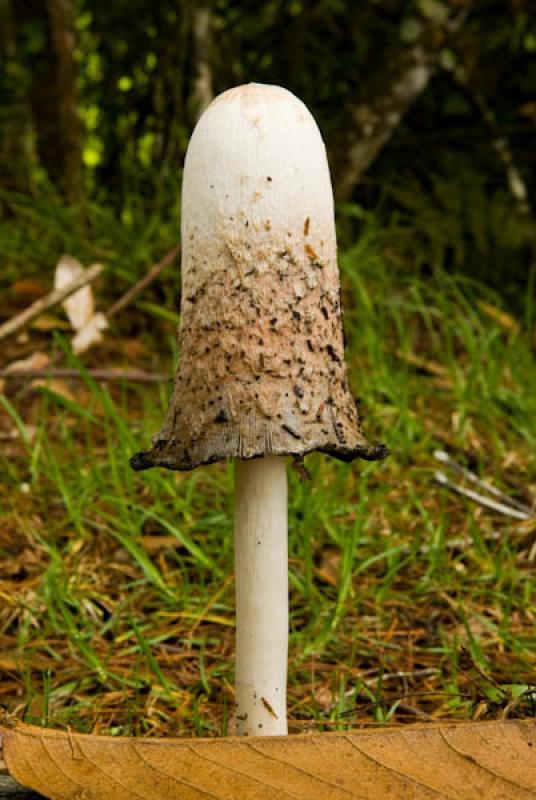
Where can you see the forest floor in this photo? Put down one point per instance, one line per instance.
(409, 601)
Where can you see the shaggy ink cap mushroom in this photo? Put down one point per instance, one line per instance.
(262, 369)
(262, 372)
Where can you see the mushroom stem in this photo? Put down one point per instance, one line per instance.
(261, 570)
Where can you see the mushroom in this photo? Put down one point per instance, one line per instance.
(262, 372)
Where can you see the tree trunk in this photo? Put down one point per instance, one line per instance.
(400, 75)
(40, 89)
(202, 90)
(499, 141)
(15, 171)
(61, 17)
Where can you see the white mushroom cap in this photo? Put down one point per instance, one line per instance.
(261, 344)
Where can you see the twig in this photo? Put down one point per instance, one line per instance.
(499, 141)
(111, 374)
(416, 712)
(444, 458)
(460, 544)
(364, 702)
(420, 673)
(49, 300)
(57, 296)
(138, 287)
(424, 365)
(501, 508)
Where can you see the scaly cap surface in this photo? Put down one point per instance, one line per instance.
(262, 366)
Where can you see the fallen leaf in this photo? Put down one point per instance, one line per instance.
(504, 319)
(134, 349)
(14, 434)
(36, 361)
(423, 365)
(330, 566)
(324, 697)
(155, 543)
(439, 374)
(80, 306)
(28, 287)
(8, 663)
(90, 334)
(469, 761)
(49, 322)
(57, 386)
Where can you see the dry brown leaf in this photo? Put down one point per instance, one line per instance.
(504, 319)
(8, 663)
(439, 373)
(80, 306)
(330, 566)
(324, 697)
(423, 364)
(28, 287)
(471, 761)
(90, 334)
(57, 386)
(49, 322)
(154, 543)
(37, 361)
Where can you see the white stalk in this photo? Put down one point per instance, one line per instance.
(261, 575)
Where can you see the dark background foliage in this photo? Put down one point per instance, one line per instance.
(437, 98)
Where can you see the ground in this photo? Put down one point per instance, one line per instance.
(408, 601)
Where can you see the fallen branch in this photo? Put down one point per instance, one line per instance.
(439, 374)
(57, 296)
(138, 287)
(444, 458)
(499, 141)
(48, 301)
(398, 79)
(501, 508)
(110, 374)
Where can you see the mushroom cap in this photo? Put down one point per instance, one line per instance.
(262, 367)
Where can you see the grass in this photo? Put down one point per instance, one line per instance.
(407, 601)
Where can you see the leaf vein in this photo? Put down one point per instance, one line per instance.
(180, 781)
(301, 770)
(243, 774)
(398, 772)
(472, 760)
(107, 774)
